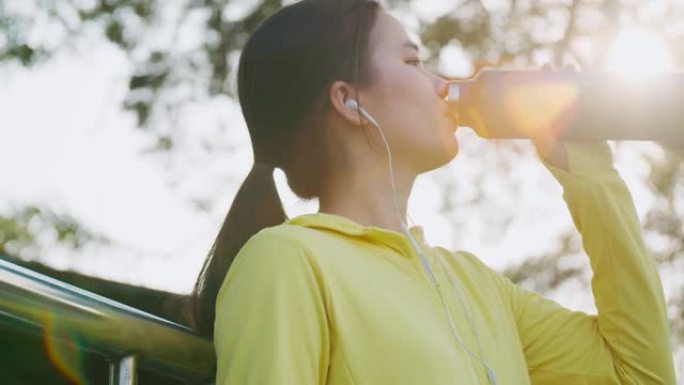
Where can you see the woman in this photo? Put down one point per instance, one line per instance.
(350, 295)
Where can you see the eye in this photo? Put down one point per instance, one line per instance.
(414, 61)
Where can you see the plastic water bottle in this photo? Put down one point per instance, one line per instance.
(586, 105)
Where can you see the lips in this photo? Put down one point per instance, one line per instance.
(451, 113)
(453, 120)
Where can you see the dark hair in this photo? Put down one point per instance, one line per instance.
(285, 71)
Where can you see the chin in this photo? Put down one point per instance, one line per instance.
(451, 153)
(441, 156)
(450, 148)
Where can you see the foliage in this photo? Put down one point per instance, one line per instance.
(170, 72)
(27, 230)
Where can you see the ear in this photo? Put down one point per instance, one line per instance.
(338, 94)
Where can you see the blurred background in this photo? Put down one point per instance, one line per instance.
(122, 143)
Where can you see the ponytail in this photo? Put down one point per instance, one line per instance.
(255, 207)
(285, 69)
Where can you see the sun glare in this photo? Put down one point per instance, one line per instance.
(639, 52)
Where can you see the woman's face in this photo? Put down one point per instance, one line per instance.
(407, 100)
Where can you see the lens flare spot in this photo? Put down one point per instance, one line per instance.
(541, 106)
(63, 350)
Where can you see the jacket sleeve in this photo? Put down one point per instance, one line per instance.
(627, 342)
(271, 324)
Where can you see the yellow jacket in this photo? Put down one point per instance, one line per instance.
(321, 299)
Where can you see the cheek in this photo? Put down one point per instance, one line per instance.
(406, 97)
(406, 105)
(398, 80)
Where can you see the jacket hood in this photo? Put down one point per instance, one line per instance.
(344, 225)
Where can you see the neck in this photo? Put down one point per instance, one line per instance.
(365, 196)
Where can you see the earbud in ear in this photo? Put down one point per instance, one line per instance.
(352, 104)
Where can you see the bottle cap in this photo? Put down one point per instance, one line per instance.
(454, 93)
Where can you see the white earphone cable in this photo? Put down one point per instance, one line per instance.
(423, 259)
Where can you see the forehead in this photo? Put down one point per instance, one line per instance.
(389, 33)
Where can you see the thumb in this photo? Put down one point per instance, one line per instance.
(547, 66)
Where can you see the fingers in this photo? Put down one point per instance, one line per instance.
(567, 67)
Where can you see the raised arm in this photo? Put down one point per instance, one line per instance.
(627, 342)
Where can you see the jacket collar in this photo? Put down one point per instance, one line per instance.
(344, 225)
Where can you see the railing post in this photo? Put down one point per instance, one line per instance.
(123, 371)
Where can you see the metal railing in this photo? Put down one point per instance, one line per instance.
(128, 338)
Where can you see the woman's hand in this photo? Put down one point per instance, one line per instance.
(552, 150)
(548, 146)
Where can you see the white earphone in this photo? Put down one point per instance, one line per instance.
(352, 104)
(453, 94)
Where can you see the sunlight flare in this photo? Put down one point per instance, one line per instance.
(638, 52)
